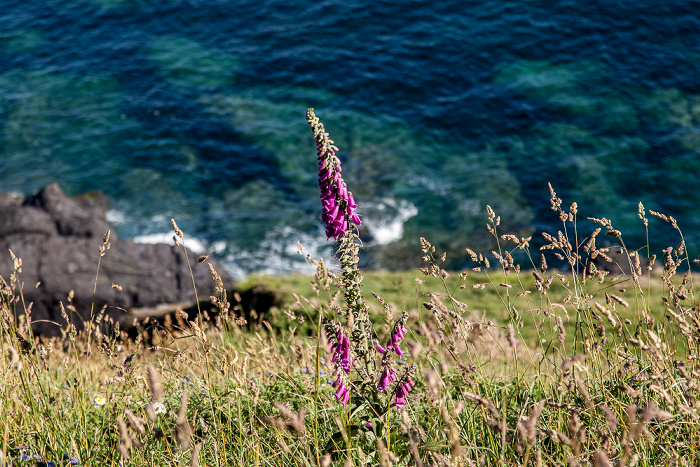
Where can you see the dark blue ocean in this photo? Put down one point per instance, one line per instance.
(194, 110)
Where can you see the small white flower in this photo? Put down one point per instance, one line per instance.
(99, 401)
(158, 408)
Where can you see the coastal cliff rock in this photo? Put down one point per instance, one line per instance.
(58, 237)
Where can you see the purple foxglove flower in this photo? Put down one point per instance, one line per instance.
(402, 391)
(338, 204)
(380, 349)
(398, 350)
(341, 392)
(388, 375)
(383, 382)
(346, 398)
(346, 362)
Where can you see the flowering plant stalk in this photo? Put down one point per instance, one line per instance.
(356, 353)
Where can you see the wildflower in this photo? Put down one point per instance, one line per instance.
(158, 408)
(99, 401)
(388, 376)
(396, 337)
(402, 391)
(341, 351)
(342, 393)
(339, 206)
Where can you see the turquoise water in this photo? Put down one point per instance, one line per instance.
(195, 110)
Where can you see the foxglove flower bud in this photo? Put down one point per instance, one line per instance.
(397, 336)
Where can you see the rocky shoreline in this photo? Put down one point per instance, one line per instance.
(58, 240)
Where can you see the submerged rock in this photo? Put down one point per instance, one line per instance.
(58, 238)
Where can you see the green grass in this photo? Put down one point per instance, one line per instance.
(234, 378)
(484, 374)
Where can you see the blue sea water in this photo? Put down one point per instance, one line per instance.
(194, 110)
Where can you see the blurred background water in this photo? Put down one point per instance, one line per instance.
(194, 109)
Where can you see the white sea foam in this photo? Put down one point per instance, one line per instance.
(385, 219)
(115, 216)
(278, 253)
(192, 243)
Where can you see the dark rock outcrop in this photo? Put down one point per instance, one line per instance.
(58, 239)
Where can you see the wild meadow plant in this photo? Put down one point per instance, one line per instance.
(356, 352)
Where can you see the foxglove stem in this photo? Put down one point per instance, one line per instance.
(340, 217)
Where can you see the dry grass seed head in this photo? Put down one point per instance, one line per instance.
(183, 428)
(195, 455)
(413, 447)
(124, 438)
(154, 384)
(527, 429)
(178, 232)
(294, 423)
(136, 423)
(384, 459)
(15, 360)
(456, 448)
(600, 459)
